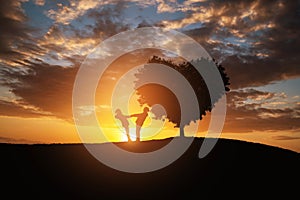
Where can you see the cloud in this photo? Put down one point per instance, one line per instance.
(64, 46)
(166, 6)
(65, 13)
(251, 94)
(63, 42)
(285, 137)
(16, 141)
(40, 2)
(108, 21)
(45, 87)
(246, 113)
(15, 39)
(19, 108)
(246, 71)
(77, 8)
(256, 41)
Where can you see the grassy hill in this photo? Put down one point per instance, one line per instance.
(232, 169)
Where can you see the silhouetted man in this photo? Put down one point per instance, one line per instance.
(140, 118)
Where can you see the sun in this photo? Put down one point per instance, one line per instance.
(123, 136)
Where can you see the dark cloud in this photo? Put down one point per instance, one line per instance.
(16, 42)
(247, 71)
(108, 21)
(203, 34)
(11, 18)
(248, 117)
(46, 87)
(257, 41)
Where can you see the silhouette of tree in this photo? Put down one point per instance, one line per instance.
(152, 94)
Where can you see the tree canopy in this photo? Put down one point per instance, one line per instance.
(152, 94)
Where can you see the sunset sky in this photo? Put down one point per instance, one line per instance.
(43, 43)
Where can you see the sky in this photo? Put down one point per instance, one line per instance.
(43, 43)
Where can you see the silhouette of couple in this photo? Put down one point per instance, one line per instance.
(140, 118)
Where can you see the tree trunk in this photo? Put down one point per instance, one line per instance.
(181, 131)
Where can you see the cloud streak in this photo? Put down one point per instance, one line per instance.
(16, 141)
(284, 137)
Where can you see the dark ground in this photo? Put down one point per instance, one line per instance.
(233, 169)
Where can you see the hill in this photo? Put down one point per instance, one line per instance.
(232, 169)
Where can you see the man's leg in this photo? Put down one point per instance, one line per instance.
(127, 133)
(138, 130)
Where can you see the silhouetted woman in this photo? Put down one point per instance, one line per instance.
(140, 118)
(123, 118)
